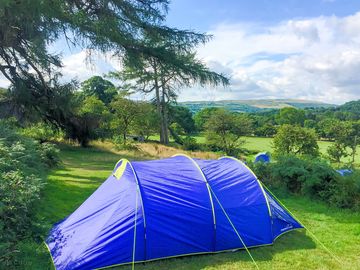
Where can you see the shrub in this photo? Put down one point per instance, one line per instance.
(345, 191)
(23, 163)
(41, 132)
(49, 154)
(120, 144)
(189, 143)
(304, 176)
(312, 177)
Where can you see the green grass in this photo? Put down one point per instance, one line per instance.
(83, 170)
(260, 144)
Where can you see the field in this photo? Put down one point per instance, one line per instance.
(259, 144)
(83, 170)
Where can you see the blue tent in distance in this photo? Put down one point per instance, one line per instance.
(262, 157)
(149, 210)
(344, 172)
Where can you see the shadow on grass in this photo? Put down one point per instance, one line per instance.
(295, 240)
(60, 200)
(82, 179)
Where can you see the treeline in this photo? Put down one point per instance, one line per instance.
(100, 110)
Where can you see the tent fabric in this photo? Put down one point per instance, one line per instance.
(344, 172)
(262, 157)
(148, 210)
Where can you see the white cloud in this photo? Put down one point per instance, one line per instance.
(82, 65)
(85, 64)
(316, 59)
(4, 82)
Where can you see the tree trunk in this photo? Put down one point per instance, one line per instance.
(158, 103)
(164, 114)
(161, 105)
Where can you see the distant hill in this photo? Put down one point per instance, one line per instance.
(255, 105)
(351, 106)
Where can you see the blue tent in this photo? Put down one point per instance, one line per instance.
(178, 206)
(344, 172)
(262, 157)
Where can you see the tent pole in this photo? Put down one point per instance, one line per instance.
(135, 223)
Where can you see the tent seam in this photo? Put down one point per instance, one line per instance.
(209, 192)
(261, 187)
(142, 204)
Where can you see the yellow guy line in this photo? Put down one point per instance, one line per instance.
(310, 232)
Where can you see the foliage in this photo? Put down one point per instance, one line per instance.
(182, 116)
(147, 121)
(311, 177)
(346, 135)
(177, 128)
(345, 191)
(266, 130)
(22, 165)
(201, 117)
(41, 132)
(189, 143)
(49, 154)
(224, 130)
(125, 113)
(303, 176)
(96, 86)
(336, 151)
(89, 120)
(163, 80)
(291, 116)
(352, 107)
(295, 140)
(133, 31)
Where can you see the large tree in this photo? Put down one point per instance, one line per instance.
(99, 87)
(295, 140)
(27, 28)
(291, 116)
(225, 129)
(164, 79)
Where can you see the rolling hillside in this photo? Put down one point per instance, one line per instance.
(255, 105)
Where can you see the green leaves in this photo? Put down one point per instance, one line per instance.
(23, 163)
(224, 130)
(295, 140)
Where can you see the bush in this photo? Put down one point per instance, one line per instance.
(345, 191)
(41, 132)
(189, 143)
(23, 163)
(49, 154)
(314, 178)
(120, 144)
(303, 176)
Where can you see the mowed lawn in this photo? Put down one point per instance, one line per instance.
(261, 144)
(83, 170)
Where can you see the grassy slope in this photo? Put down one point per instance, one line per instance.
(85, 169)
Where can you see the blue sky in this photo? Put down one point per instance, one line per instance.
(306, 49)
(202, 15)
